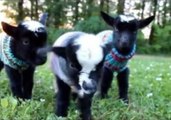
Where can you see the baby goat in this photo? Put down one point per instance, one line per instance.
(121, 46)
(76, 63)
(22, 48)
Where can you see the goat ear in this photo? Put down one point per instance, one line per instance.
(108, 19)
(43, 18)
(9, 29)
(145, 22)
(60, 51)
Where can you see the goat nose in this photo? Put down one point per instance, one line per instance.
(124, 43)
(42, 52)
(89, 86)
(124, 38)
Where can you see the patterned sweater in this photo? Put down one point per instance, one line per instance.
(6, 54)
(114, 60)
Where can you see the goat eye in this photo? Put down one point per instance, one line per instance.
(26, 42)
(73, 66)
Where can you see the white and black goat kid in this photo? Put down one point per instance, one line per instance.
(22, 48)
(121, 46)
(76, 62)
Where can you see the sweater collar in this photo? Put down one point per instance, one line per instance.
(9, 57)
(119, 57)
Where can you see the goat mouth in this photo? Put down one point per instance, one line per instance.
(40, 61)
(37, 61)
(124, 46)
(124, 50)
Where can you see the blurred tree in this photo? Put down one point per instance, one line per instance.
(76, 11)
(165, 11)
(151, 37)
(101, 4)
(76, 8)
(142, 8)
(84, 9)
(170, 9)
(10, 8)
(105, 5)
(90, 8)
(18, 9)
(120, 6)
(33, 9)
(57, 10)
(20, 15)
(84, 14)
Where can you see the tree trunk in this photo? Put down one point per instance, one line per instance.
(164, 20)
(76, 12)
(108, 8)
(20, 10)
(151, 37)
(170, 8)
(104, 5)
(36, 10)
(32, 9)
(101, 5)
(120, 6)
(90, 8)
(142, 8)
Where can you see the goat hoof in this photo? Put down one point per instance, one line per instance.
(124, 101)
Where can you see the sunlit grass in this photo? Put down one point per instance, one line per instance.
(149, 95)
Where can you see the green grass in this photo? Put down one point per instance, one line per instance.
(149, 94)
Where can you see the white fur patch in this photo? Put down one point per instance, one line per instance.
(32, 25)
(79, 92)
(90, 52)
(126, 18)
(84, 77)
(89, 55)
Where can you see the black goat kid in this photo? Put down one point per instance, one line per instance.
(121, 46)
(22, 48)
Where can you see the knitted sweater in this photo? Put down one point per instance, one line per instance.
(6, 54)
(114, 60)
